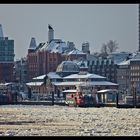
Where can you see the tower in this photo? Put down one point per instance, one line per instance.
(50, 33)
(1, 32)
(139, 27)
(32, 45)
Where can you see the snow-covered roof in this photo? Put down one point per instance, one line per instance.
(56, 45)
(135, 60)
(106, 90)
(67, 66)
(76, 51)
(34, 83)
(67, 83)
(92, 83)
(136, 55)
(83, 76)
(40, 77)
(124, 62)
(70, 90)
(53, 75)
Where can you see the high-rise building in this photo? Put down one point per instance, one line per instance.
(139, 27)
(6, 58)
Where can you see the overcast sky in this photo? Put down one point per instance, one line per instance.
(95, 23)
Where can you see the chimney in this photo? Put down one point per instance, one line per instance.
(50, 33)
(1, 32)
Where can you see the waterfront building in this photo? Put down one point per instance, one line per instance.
(6, 58)
(20, 70)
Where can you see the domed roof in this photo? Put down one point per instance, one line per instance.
(68, 66)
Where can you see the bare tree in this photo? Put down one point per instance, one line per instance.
(112, 46)
(104, 51)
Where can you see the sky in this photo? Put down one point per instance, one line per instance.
(95, 23)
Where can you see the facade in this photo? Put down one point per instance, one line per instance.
(123, 77)
(20, 71)
(6, 58)
(45, 57)
(103, 67)
(135, 75)
(118, 57)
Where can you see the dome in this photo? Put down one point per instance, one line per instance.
(68, 67)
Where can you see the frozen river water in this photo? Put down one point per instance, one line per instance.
(39, 120)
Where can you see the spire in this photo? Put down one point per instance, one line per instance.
(32, 43)
(1, 32)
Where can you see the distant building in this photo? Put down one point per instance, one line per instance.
(45, 57)
(118, 57)
(6, 58)
(85, 47)
(135, 75)
(123, 77)
(139, 24)
(103, 67)
(20, 70)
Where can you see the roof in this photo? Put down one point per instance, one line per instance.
(34, 83)
(83, 76)
(93, 83)
(40, 77)
(106, 90)
(125, 62)
(67, 66)
(53, 75)
(70, 90)
(67, 83)
(76, 51)
(56, 45)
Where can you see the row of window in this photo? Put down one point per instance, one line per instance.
(135, 79)
(135, 74)
(135, 68)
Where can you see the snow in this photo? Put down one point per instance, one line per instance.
(83, 76)
(53, 75)
(76, 51)
(93, 83)
(106, 90)
(40, 77)
(70, 90)
(34, 83)
(125, 62)
(67, 83)
(56, 45)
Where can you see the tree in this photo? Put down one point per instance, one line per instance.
(104, 51)
(112, 46)
(109, 47)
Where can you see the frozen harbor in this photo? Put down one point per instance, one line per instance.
(21, 120)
